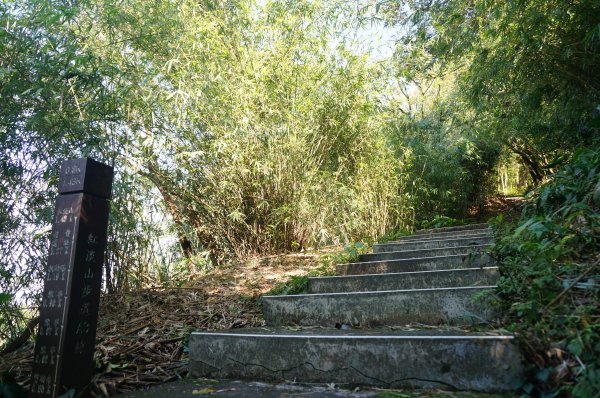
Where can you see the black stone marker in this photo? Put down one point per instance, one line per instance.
(64, 348)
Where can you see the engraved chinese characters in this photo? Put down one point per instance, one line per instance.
(85, 175)
(63, 356)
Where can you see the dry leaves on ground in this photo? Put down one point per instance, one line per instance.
(142, 335)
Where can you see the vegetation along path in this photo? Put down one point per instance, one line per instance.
(251, 138)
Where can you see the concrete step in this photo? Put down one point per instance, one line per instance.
(444, 235)
(386, 308)
(446, 251)
(432, 244)
(391, 359)
(473, 260)
(468, 227)
(404, 280)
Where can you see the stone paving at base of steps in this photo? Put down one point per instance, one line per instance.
(196, 388)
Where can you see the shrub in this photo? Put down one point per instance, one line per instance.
(550, 279)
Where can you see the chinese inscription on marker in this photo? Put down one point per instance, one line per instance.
(63, 356)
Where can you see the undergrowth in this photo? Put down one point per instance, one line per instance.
(299, 284)
(294, 285)
(440, 221)
(550, 280)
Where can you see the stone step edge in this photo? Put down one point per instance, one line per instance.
(441, 248)
(381, 336)
(466, 227)
(474, 362)
(403, 273)
(439, 235)
(460, 232)
(433, 258)
(437, 239)
(413, 242)
(382, 292)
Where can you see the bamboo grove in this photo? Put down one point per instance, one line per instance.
(241, 127)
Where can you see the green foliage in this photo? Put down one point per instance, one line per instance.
(525, 71)
(441, 221)
(393, 235)
(512, 176)
(299, 284)
(248, 127)
(550, 271)
(449, 169)
(9, 388)
(295, 285)
(236, 128)
(348, 255)
(58, 101)
(272, 149)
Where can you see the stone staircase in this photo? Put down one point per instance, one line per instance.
(398, 317)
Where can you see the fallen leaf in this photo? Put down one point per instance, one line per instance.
(203, 391)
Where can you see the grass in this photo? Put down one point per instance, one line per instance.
(294, 285)
(298, 284)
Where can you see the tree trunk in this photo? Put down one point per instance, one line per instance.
(157, 177)
(533, 167)
(22, 338)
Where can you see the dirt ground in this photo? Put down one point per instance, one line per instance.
(142, 335)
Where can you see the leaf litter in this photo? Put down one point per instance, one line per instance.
(142, 335)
